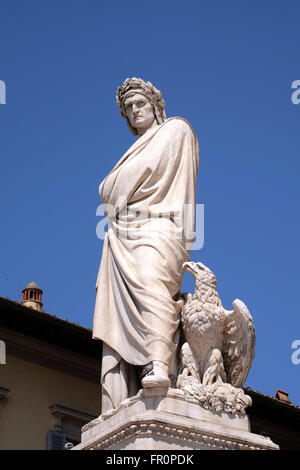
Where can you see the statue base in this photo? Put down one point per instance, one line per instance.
(168, 419)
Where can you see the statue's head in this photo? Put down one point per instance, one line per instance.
(140, 104)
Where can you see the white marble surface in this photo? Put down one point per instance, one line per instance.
(161, 419)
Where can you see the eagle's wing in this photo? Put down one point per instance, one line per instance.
(238, 343)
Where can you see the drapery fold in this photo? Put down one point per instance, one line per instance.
(150, 197)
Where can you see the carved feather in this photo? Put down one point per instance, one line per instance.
(189, 361)
(238, 343)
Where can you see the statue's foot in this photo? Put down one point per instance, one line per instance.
(153, 380)
(157, 377)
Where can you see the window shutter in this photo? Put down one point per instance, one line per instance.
(56, 440)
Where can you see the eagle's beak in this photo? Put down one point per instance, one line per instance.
(188, 266)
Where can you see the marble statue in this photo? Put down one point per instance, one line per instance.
(219, 346)
(150, 199)
(173, 363)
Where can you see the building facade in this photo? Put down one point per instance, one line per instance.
(49, 378)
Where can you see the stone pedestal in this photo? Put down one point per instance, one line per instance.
(160, 419)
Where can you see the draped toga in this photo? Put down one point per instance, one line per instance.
(150, 197)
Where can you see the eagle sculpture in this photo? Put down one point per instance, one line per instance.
(219, 344)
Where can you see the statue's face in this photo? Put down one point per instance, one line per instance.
(139, 112)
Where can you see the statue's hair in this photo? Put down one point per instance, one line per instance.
(137, 85)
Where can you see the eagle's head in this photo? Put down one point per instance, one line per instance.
(200, 272)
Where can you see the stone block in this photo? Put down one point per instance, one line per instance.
(167, 419)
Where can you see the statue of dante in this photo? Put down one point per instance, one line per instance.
(150, 194)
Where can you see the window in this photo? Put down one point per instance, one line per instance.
(56, 440)
(67, 427)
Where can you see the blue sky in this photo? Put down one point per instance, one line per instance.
(227, 67)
